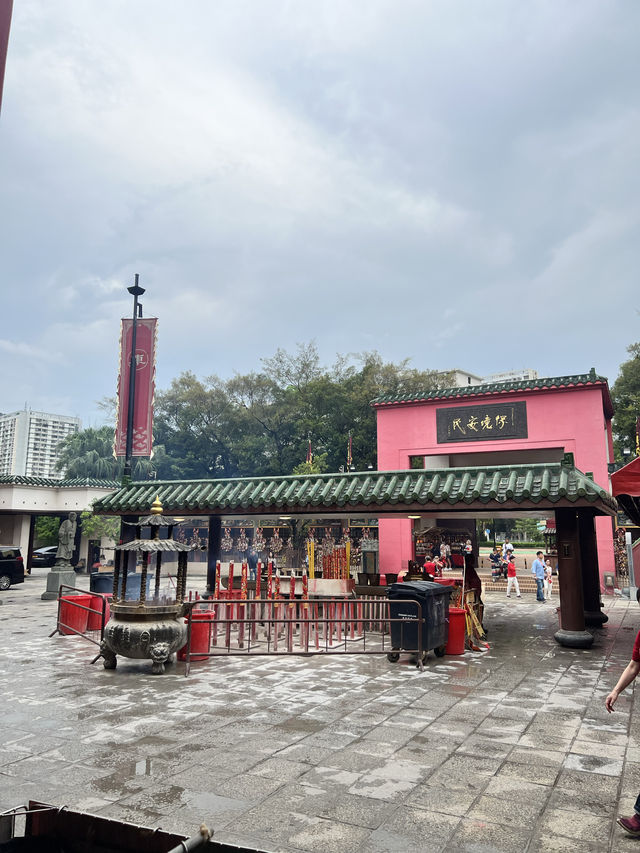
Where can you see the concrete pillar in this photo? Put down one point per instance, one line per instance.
(23, 536)
(572, 632)
(213, 551)
(593, 614)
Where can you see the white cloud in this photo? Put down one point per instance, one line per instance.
(284, 171)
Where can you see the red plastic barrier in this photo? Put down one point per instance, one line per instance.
(73, 619)
(231, 595)
(457, 631)
(94, 622)
(200, 635)
(445, 581)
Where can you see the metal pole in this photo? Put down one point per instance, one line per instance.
(135, 291)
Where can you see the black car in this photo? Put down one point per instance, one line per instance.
(45, 557)
(11, 566)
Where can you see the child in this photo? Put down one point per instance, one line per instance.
(512, 580)
(438, 566)
(548, 579)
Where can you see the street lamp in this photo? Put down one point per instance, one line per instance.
(135, 291)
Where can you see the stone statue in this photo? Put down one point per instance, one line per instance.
(66, 540)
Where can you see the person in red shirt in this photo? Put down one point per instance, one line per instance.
(512, 580)
(629, 824)
(429, 569)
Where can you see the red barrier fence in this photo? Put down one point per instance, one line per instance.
(300, 627)
(82, 613)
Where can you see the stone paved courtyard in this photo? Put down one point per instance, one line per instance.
(507, 750)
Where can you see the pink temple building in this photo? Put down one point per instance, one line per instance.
(511, 423)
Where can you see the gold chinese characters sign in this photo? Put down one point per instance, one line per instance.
(482, 423)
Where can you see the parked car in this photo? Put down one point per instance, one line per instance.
(44, 556)
(11, 566)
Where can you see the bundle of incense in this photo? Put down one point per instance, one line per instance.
(258, 593)
(243, 581)
(216, 589)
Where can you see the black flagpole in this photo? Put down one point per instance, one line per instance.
(135, 291)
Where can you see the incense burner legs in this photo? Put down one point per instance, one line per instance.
(144, 633)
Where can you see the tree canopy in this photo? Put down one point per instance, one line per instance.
(625, 395)
(89, 453)
(259, 423)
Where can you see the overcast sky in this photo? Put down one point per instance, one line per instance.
(453, 182)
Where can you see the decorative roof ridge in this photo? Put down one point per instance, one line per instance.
(498, 388)
(549, 482)
(69, 483)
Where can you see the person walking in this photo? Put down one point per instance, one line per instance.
(512, 580)
(548, 580)
(629, 824)
(537, 570)
(252, 560)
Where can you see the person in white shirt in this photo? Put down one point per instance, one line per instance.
(506, 548)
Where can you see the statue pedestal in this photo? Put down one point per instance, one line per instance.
(58, 575)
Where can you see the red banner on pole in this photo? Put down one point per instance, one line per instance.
(144, 389)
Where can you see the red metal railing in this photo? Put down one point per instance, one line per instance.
(81, 613)
(302, 627)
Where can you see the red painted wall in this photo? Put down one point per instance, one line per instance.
(570, 419)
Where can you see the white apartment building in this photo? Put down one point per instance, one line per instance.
(458, 378)
(29, 442)
(527, 374)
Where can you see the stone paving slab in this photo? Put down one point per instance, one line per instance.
(506, 750)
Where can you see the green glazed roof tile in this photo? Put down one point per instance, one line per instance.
(72, 483)
(529, 485)
(580, 380)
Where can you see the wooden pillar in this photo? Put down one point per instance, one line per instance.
(593, 614)
(572, 632)
(213, 552)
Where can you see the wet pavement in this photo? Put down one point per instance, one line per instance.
(505, 750)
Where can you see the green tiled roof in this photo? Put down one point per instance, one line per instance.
(533, 486)
(501, 388)
(74, 483)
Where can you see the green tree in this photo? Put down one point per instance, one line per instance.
(89, 453)
(46, 530)
(527, 528)
(100, 526)
(318, 465)
(199, 426)
(260, 423)
(625, 395)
